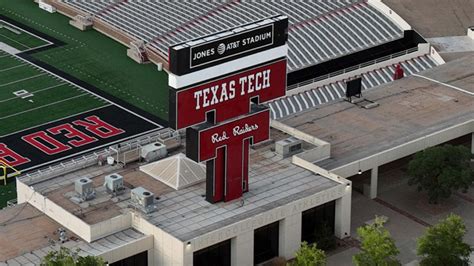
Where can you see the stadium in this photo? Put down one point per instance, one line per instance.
(202, 132)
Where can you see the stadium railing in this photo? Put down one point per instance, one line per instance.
(350, 69)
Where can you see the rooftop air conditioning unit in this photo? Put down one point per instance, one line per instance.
(143, 199)
(153, 152)
(114, 183)
(288, 147)
(84, 187)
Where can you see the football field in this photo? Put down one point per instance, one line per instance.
(91, 57)
(30, 96)
(19, 39)
(48, 115)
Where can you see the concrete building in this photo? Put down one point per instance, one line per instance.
(289, 195)
(181, 227)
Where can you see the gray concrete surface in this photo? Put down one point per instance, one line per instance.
(436, 18)
(407, 210)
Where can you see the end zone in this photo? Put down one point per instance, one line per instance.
(71, 137)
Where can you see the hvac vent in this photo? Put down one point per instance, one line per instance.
(153, 151)
(114, 184)
(288, 147)
(84, 188)
(143, 199)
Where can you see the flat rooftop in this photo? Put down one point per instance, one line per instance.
(28, 235)
(184, 213)
(436, 18)
(409, 109)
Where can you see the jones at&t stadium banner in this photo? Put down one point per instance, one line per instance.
(227, 97)
(228, 45)
(225, 147)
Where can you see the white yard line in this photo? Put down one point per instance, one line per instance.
(13, 67)
(20, 80)
(93, 93)
(445, 84)
(56, 120)
(43, 106)
(24, 45)
(40, 90)
(27, 32)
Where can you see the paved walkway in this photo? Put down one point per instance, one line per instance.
(408, 213)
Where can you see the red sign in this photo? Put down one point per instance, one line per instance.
(228, 97)
(226, 148)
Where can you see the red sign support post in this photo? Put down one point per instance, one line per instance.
(225, 148)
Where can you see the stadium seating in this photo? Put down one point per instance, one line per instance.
(319, 30)
(288, 105)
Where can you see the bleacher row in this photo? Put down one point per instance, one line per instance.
(319, 30)
(295, 103)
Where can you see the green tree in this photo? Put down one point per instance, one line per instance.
(441, 170)
(67, 257)
(309, 255)
(377, 246)
(442, 244)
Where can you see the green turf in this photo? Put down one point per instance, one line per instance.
(15, 75)
(7, 192)
(94, 58)
(43, 98)
(21, 41)
(52, 98)
(45, 115)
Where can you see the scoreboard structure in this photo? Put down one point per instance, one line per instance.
(217, 84)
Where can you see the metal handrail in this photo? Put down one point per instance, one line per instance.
(352, 68)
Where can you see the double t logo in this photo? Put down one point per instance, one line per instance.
(225, 148)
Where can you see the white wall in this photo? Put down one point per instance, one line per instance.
(405, 149)
(242, 249)
(129, 249)
(167, 250)
(390, 13)
(54, 211)
(290, 235)
(470, 32)
(84, 230)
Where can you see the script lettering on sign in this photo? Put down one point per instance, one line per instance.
(226, 146)
(229, 96)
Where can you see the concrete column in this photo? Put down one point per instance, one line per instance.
(374, 178)
(188, 255)
(290, 235)
(241, 249)
(342, 219)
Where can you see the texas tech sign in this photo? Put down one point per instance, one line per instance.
(225, 148)
(221, 112)
(227, 97)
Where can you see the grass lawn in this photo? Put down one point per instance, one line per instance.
(94, 58)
